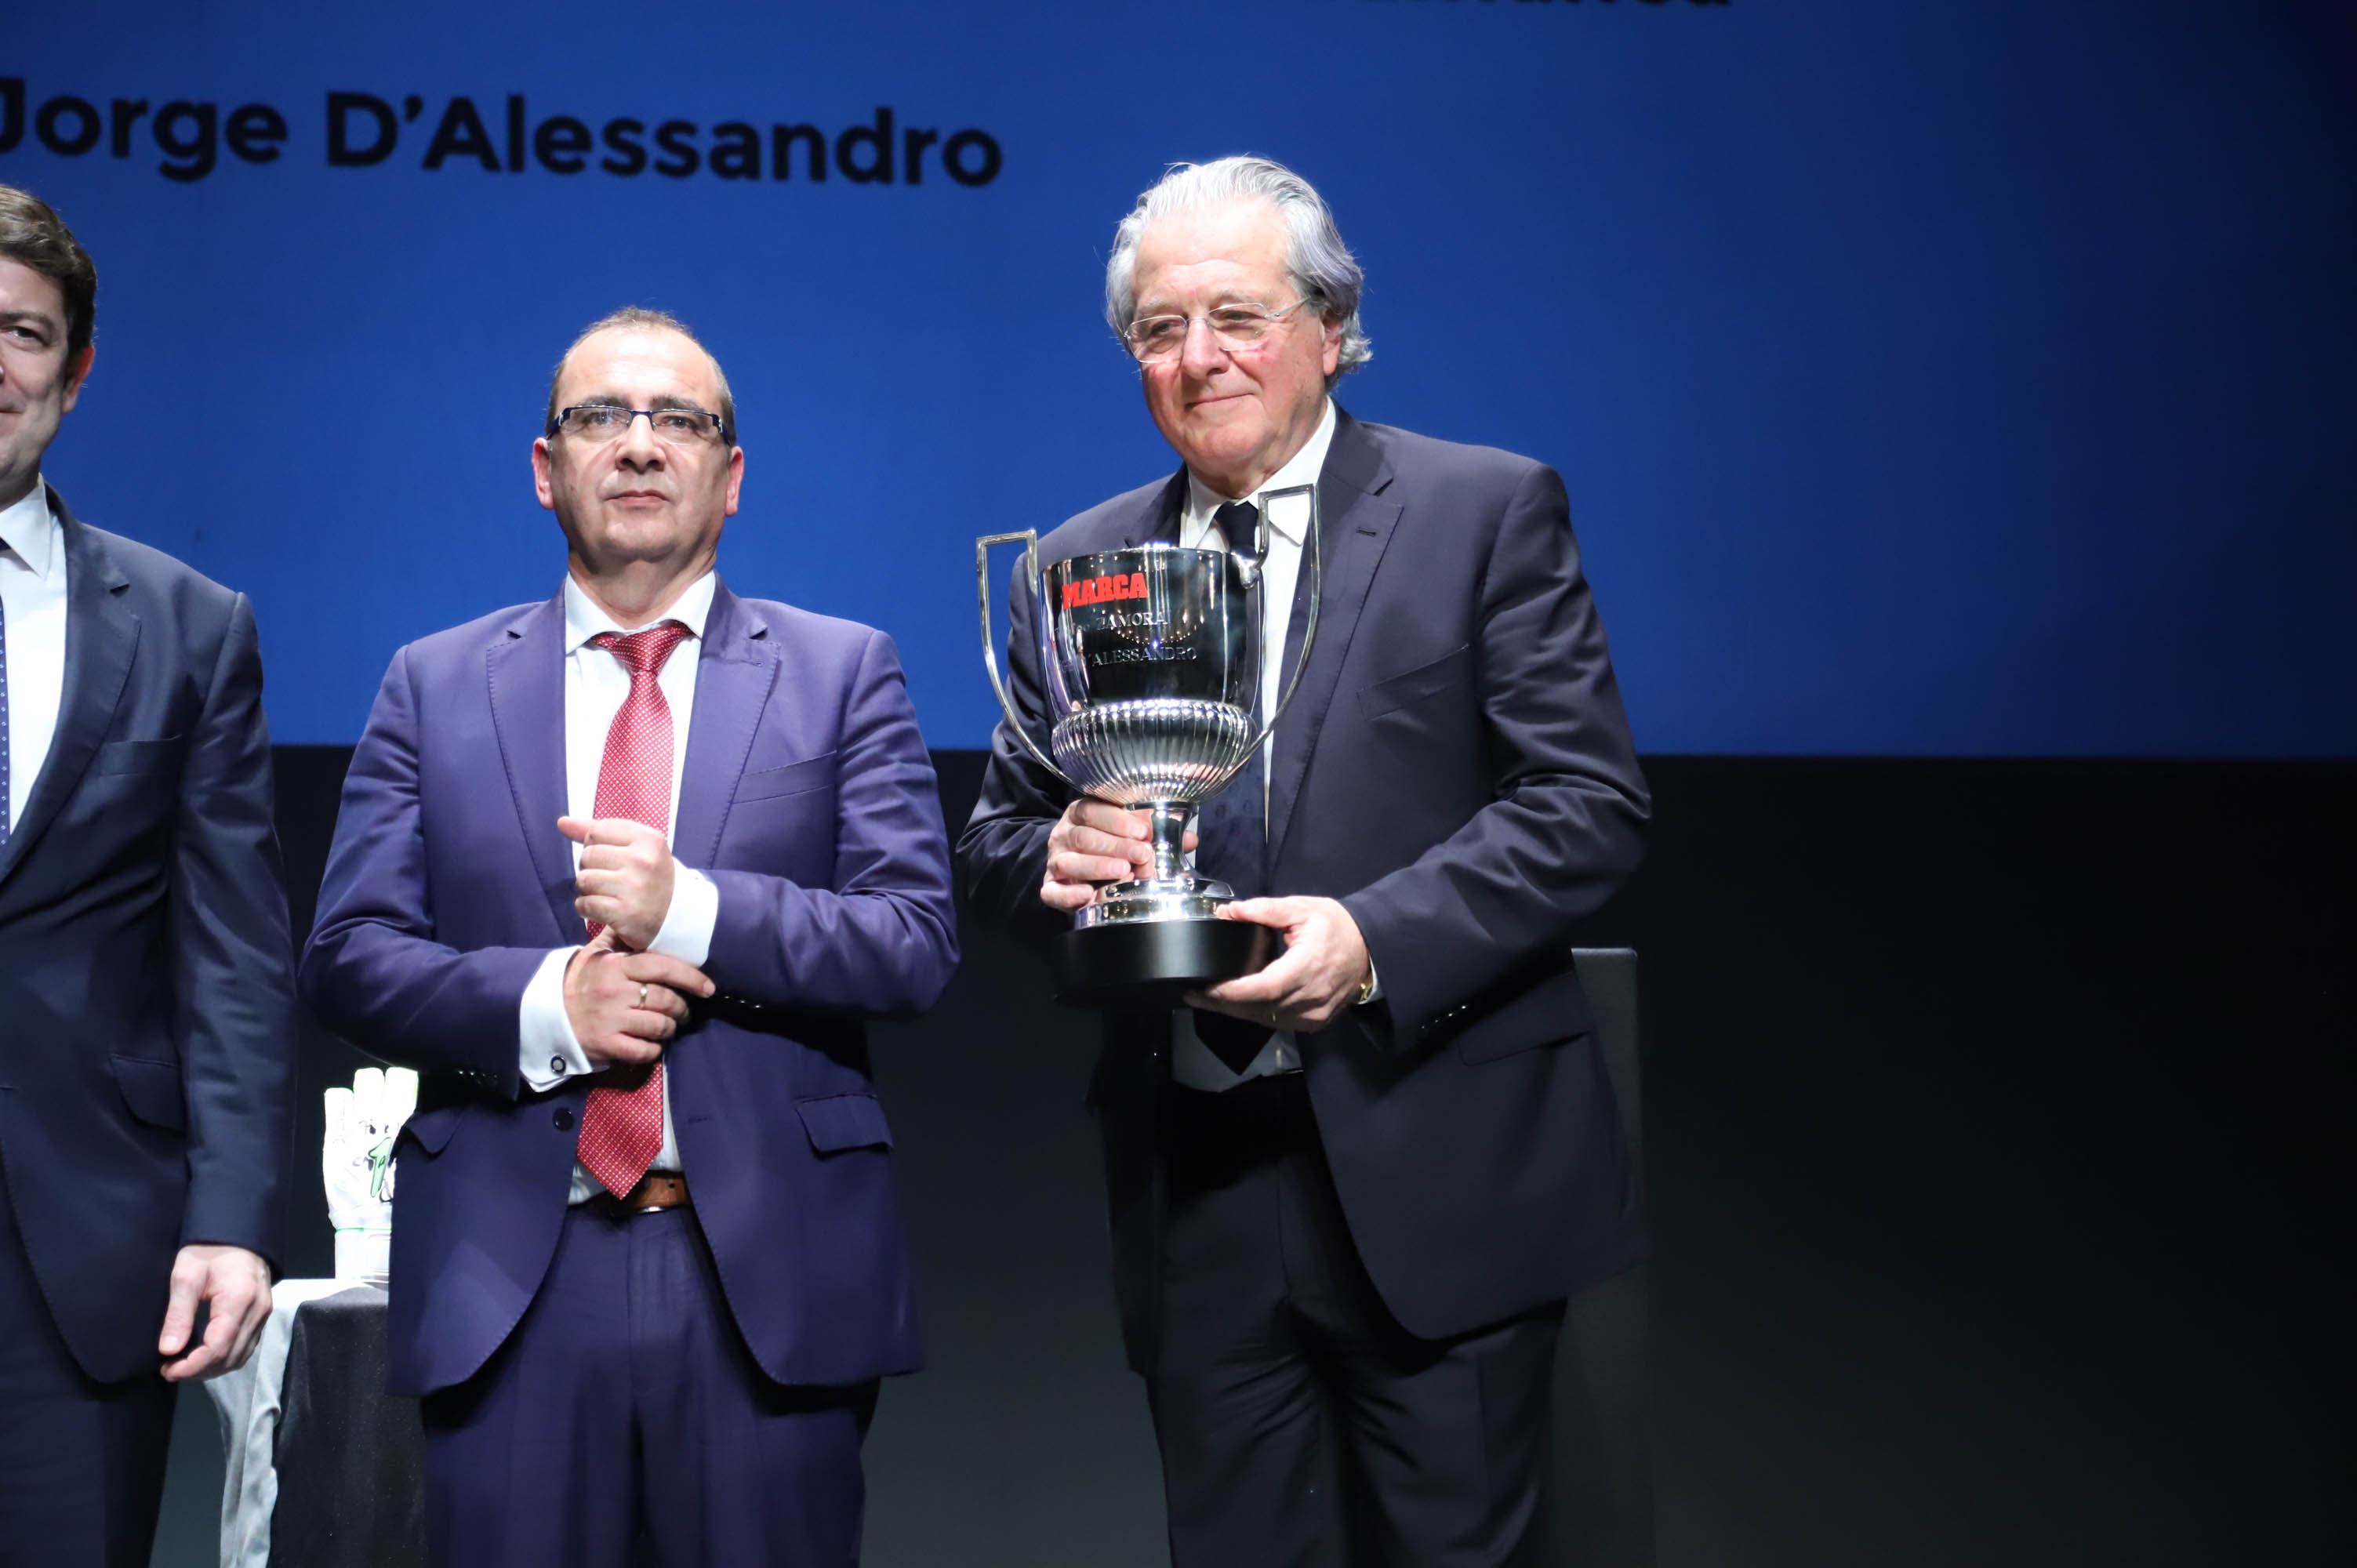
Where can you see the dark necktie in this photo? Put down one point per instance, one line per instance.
(1233, 828)
(622, 1127)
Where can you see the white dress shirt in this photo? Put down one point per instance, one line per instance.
(596, 682)
(33, 595)
(1192, 1062)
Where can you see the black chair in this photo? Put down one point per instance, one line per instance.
(1601, 1508)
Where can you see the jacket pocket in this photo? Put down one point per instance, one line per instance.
(151, 1091)
(140, 755)
(843, 1121)
(793, 778)
(430, 1129)
(1452, 670)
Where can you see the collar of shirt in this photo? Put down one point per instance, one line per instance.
(1302, 469)
(583, 619)
(29, 529)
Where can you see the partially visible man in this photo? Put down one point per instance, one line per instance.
(622, 874)
(146, 998)
(1350, 1193)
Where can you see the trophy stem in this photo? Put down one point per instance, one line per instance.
(1168, 820)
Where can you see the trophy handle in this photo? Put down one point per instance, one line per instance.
(1317, 592)
(1030, 540)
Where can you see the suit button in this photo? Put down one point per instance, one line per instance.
(564, 1119)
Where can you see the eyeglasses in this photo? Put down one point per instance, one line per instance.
(672, 427)
(1235, 328)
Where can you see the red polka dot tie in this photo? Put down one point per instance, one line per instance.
(621, 1129)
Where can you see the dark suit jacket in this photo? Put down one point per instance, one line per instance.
(146, 993)
(808, 797)
(1456, 769)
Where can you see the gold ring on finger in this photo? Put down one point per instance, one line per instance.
(642, 993)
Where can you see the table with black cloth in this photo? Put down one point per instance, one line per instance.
(324, 1468)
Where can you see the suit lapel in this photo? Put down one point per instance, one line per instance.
(1158, 520)
(1354, 526)
(734, 672)
(102, 641)
(525, 668)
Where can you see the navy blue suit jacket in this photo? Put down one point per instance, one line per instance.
(1457, 770)
(809, 799)
(147, 985)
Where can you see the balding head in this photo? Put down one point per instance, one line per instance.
(637, 318)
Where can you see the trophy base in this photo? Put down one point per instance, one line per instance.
(1154, 962)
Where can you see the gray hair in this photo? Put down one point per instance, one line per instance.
(1319, 265)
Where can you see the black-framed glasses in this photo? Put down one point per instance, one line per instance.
(1235, 328)
(672, 427)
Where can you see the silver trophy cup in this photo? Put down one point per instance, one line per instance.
(1151, 661)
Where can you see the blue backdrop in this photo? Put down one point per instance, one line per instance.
(1965, 376)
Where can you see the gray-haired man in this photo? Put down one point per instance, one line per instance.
(1350, 1193)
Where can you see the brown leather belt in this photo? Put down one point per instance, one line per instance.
(656, 1190)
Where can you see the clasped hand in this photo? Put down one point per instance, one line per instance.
(623, 1005)
(625, 878)
(624, 1002)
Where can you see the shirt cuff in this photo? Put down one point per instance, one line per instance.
(550, 1053)
(1374, 985)
(687, 926)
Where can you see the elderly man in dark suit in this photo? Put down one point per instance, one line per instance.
(146, 988)
(1350, 1193)
(622, 874)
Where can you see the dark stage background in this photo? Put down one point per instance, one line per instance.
(1997, 1123)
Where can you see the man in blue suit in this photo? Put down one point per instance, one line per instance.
(1350, 1193)
(622, 874)
(146, 991)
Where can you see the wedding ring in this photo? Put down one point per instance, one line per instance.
(642, 993)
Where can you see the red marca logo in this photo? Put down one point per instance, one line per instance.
(1102, 590)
